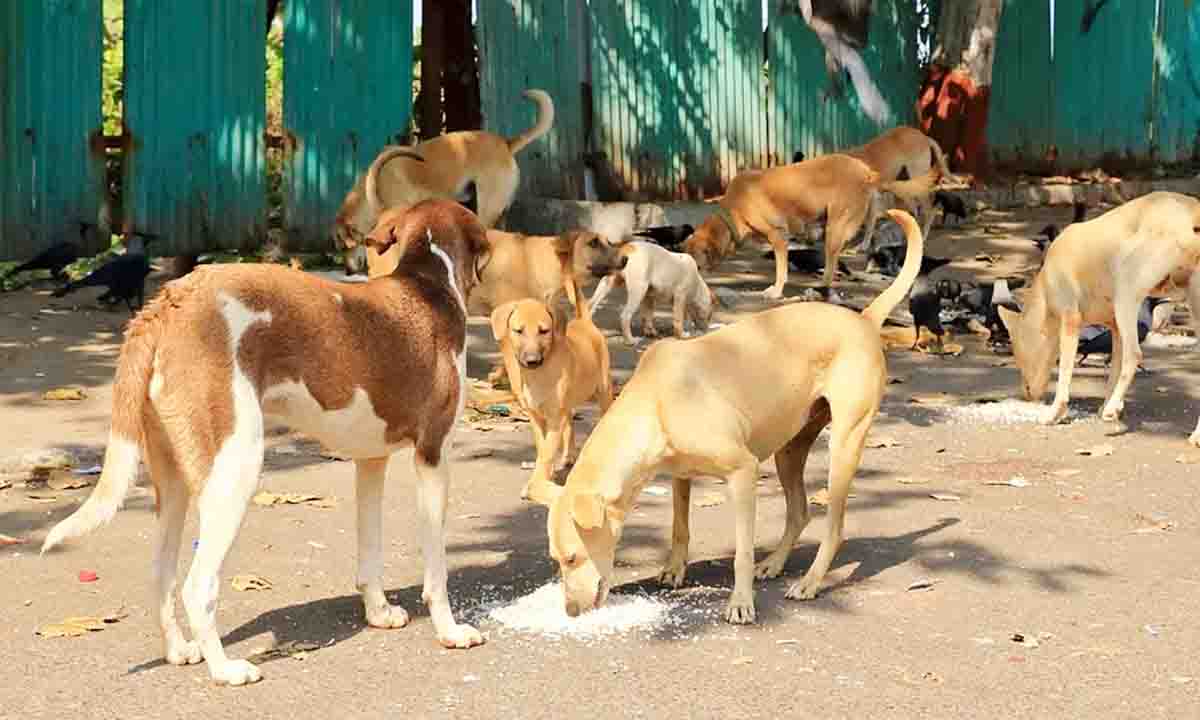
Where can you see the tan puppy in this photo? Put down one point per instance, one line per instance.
(451, 161)
(692, 409)
(368, 369)
(552, 369)
(909, 149)
(1097, 273)
(780, 201)
(649, 271)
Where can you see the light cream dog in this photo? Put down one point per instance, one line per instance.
(1097, 273)
(367, 369)
(909, 149)
(553, 367)
(780, 201)
(649, 271)
(692, 409)
(451, 161)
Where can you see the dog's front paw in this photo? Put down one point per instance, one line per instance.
(1112, 412)
(672, 575)
(741, 609)
(459, 636)
(1053, 414)
(387, 617)
(805, 589)
(184, 653)
(236, 672)
(770, 568)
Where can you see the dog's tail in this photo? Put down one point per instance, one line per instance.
(883, 305)
(371, 184)
(914, 188)
(131, 390)
(545, 121)
(938, 158)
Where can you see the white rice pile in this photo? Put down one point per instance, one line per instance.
(542, 612)
(1005, 412)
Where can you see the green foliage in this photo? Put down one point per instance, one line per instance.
(113, 81)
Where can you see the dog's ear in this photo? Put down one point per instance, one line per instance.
(500, 318)
(1011, 320)
(588, 510)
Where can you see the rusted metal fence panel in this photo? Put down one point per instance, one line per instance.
(536, 44)
(347, 92)
(811, 112)
(677, 93)
(195, 114)
(50, 122)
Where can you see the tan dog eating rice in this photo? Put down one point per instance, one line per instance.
(692, 409)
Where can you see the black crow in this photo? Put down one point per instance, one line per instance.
(951, 205)
(808, 260)
(798, 156)
(670, 237)
(924, 302)
(123, 276)
(1097, 339)
(1052, 231)
(56, 257)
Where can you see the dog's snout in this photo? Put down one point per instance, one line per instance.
(531, 360)
(572, 608)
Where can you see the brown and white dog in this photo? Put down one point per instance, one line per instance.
(649, 272)
(691, 409)
(908, 149)
(554, 367)
(451, 161)
(367, 369)
(780, 201)
(1098, 272)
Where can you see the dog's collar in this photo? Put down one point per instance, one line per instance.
(727, 217)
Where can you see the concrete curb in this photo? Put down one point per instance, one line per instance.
(550, 216)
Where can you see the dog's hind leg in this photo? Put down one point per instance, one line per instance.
(1068, 346)
(1126, 308)
(221, 508)
(846, 441)
(678, 312)
(369, 479)
(433, 484)
(675, 568)
(636, 293)
(789, 463)
(173, 498)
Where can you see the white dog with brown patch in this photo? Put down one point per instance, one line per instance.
(366, 369)
(1098, 272)
(693, 409)
(650, 272)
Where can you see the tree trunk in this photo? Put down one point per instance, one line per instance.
(460, 78)
(432, 48)
(953, 104)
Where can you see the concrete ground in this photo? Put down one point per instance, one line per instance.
(1087, 559)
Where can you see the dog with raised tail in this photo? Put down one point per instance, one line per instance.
(366, 368)
(1098, 272)
(719, 405)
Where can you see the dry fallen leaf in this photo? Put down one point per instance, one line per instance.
(743, 661)
(945, 497)
(1186, 459)
(1096, 450)
(1017, 481)
(76, 626)
(896, 381)
(921, 584)
(42, 498)
(64, 393)
(1155, 523)
(250, 582)
(1066, 472)
(67, 480)
(909, 480)
(266, 498)
(710, 500)
(883, 442)
(10, 540)
(931, 398)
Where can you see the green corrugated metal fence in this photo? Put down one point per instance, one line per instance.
(347, 92)
(804, 115)
(1124, 92)
(195, 112)
(536, 44)
(50, 178)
